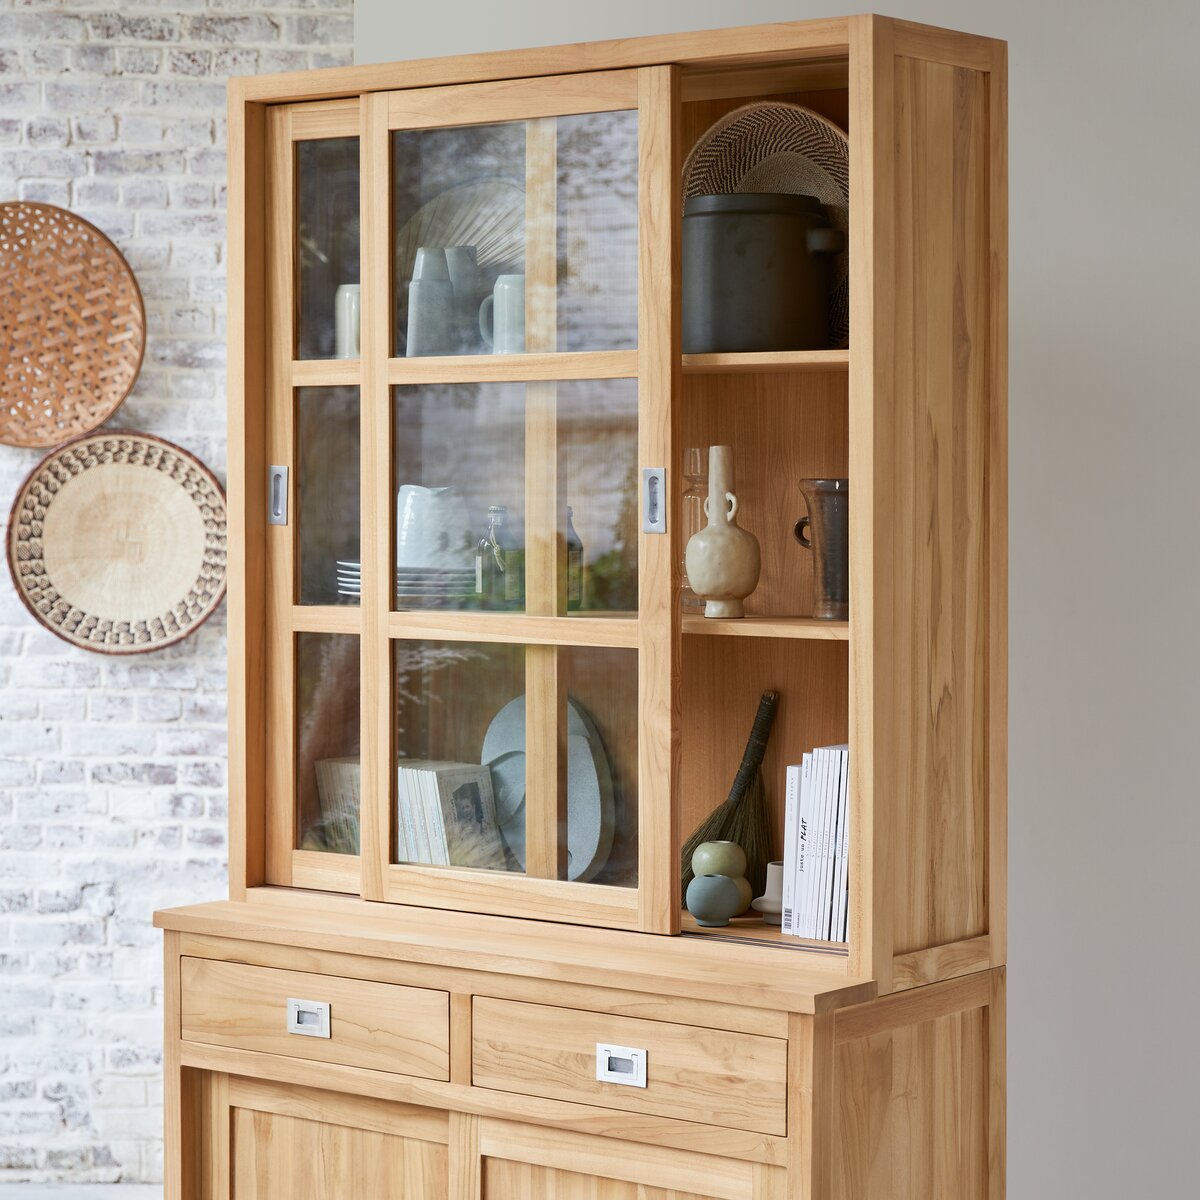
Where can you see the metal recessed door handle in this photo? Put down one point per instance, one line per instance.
(310, 1018)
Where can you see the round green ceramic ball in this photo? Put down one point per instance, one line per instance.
(747, 893)
(719, 858)
(713, 899)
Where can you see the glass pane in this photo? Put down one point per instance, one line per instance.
(327, 742)
(601, 779)
(474, 517)
(460, 746)
(516, 236)
(598, 481)
(327, 248)
(327, 494)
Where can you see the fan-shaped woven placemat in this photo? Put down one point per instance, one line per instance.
(770, 146)
(116, 542)
(72, 325)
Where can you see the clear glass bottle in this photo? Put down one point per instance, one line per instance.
(492, 561)
(574, 564)
(695, 488)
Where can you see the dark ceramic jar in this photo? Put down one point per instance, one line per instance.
(757, 272)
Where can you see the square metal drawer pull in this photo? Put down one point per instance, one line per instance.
(308, 1017)
(620, 1064)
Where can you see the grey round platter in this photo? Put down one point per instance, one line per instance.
(591, 811)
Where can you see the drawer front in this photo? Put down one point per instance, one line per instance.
(382, 1026)
(713, 1076)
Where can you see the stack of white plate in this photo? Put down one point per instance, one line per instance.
(429, 586)
(415, 586)
(349, 578)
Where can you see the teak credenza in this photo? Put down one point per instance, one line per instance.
(352, 1025)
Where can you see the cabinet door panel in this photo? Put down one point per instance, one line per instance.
(504, 1180)
(296, 1144)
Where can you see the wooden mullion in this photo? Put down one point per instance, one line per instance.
(280, 541)
(545, 576)
(378, 731)
(659, 382)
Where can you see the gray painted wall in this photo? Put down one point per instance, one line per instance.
(1105, 574)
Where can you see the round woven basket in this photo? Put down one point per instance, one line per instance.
(116, 543)
(72, 326)
(772, 146)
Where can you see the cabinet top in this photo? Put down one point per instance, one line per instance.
(692, 967)
(712, 49)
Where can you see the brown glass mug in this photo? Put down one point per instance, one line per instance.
(826, 532)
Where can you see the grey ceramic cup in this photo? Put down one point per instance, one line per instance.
(826, 532)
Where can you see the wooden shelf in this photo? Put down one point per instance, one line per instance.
(752, 930)
(776, 360)
(776, 627)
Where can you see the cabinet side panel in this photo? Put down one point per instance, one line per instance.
(913, 1115)
(935, 721)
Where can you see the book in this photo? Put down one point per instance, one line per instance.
(449, 816)
(841, 860)
(339, 798)
(790, 835)
(816, 846)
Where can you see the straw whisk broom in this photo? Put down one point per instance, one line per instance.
(744, 817)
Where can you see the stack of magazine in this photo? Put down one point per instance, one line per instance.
(446, 815)
(816, 846)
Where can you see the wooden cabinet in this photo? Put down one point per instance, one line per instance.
(459, 417)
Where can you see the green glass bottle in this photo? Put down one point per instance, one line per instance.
(574, 564)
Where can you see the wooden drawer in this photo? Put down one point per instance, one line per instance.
(712, 1076)
(377, 1025)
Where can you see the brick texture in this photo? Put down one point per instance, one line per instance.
(112, 770)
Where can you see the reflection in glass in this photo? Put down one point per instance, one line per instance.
(459, 471)
(474, 517)
(598, 482)
(516, 236)
(327, 494)
(327, 248)
(601, 780)
(460, 745)
(327, 743)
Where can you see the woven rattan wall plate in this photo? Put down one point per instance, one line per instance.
(116, 542)
(771, 146)
(72, 326)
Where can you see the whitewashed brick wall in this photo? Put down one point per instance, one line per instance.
(112, 770)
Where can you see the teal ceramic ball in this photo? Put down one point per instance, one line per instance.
(719, 858)
(713, 899)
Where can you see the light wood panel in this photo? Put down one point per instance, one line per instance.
(514, 368)
(601, 632)
(279, 542)
(375, 1025)
(807, 628)
(765, 362)
(694, 968)
(912, 1115)
(942, 962)
(377, 500)
(660, 157)
(693, 1074)
(512, 100)
(593, 1170)
(934, 736)
(465, 982)
(774, 79)
(246, 563)
(581, 1119)
(326, 1152)
(747, 45)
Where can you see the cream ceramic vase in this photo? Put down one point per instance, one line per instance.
(722, 559)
